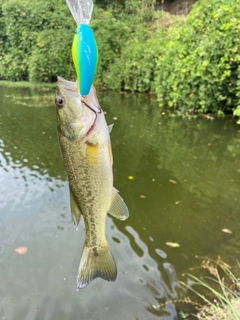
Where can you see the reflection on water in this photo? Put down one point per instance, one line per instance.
(35, 213)
(201, 157)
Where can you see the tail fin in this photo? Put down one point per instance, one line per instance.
(95, 264)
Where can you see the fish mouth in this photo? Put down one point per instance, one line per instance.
(91, 127)
(95, 115)
(71, 86)
(88, 131)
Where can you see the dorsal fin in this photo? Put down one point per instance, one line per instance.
(118, 208)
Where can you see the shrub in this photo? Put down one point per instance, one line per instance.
(199, 68)
(192, 65)
(129, 45)
(37, 41)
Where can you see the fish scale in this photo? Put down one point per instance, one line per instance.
(94, 184)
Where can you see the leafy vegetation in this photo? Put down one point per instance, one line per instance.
(189, 65)
(129, 47)
(36, 40)
(200, 66)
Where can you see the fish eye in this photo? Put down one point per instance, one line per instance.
(59, 101)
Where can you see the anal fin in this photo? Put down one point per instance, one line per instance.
(118, 208)
(75, 211)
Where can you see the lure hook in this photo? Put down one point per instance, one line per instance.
(88, 106)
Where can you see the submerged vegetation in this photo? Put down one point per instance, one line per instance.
(189, 62)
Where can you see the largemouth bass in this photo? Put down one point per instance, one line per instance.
(87, 156)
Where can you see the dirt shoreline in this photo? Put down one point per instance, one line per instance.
(182, 7)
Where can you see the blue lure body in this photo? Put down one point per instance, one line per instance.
(85, 57)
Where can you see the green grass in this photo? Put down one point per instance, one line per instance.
(26, 84)
(220, 296)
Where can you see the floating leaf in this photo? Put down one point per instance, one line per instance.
(155, 307)
(173, 244)
(21, 250)
(172, 181)
(130, 177)
(227, 231)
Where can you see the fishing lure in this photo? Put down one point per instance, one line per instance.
(84, 47)
(85, 57)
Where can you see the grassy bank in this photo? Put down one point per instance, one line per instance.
(219, 294)
(26, 84)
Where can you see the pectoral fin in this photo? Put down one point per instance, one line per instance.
(110, 127)
(118, 207)
(75, 211)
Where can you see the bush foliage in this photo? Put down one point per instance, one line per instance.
(36, 40)
(189, 65)
(200, 65)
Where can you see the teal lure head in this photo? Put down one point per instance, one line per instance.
(85, 57)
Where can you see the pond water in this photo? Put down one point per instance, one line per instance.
(185, 190)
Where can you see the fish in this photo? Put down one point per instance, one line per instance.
(86, 151)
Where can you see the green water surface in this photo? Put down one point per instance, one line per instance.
(185, 190)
